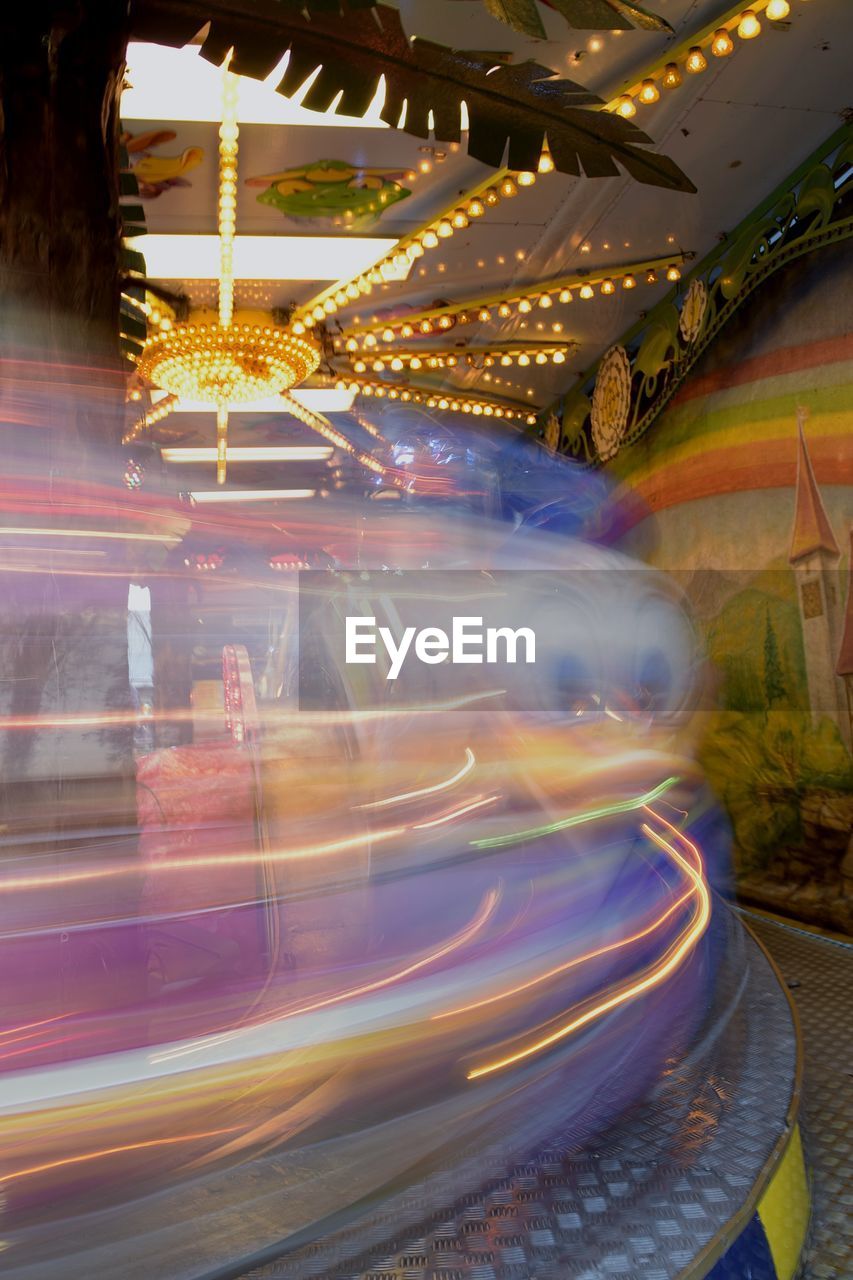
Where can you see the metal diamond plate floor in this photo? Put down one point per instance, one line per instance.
(637, 1204)
(819, 972)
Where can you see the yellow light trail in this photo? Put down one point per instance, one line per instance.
(653, 978)
(112, 1151)
(470, 761)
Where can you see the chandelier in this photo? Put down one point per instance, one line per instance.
(223, 362)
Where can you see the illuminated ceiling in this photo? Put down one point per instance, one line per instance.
(737, 129)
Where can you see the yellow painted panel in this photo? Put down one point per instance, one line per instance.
(784, 1209)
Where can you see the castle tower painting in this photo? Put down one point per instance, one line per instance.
(814, 557)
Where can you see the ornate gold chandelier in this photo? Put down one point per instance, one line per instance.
(217, 361)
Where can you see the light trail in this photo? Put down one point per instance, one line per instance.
(470, 761)
(456, 813)
(577, 819)
(653, 978)
(112, 1151)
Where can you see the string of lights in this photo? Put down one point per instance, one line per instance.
(690, 58)
(456, 217)
(408, 394)
(544, 295)
(472, 357)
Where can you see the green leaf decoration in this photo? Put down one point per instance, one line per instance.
(658, 344)
(736, 262)
(608, 15)
(517, 104)
(521, 15)
(817, 194)
(576, 411)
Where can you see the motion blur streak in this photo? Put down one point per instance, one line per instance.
(573, 963)
(111, 1151)
(656, 974)
(426, 791)
(576, 819)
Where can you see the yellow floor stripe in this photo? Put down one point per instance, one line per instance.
(784, 1209)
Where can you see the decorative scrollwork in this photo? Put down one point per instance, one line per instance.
(611, 402)
(812, 210)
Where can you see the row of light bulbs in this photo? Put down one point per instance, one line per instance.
(450, 359)
(155, 414)
(405, 255)
(227, 220)
(325, 429)
(720, 45)
(504, 309)
(457, 404)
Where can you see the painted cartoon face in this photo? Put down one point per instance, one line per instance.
(332, 189)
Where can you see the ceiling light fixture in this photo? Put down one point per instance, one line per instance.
(722, 45)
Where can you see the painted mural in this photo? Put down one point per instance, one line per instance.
(333, 190)
(744, 490)
(155, 172)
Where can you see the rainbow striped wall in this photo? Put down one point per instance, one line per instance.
(731, 429)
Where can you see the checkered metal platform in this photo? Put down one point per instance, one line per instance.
(641, 1202)
(819, 972)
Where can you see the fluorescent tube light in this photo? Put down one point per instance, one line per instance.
(318, 399)
(250, 495)
(191, 257)
(178, 84)
(252, 453)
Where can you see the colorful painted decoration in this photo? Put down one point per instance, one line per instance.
(611, 401)
(331, 189)
(156, 174)
(693, 311)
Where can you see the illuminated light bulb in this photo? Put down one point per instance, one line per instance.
(546, 161)
(504, 310)
(425, 166)
(445, 228)
(748, 27)
(565, 295)
(351, 344)
(364, 286)
(492, 197)
(673, 273)
(359, 367)
(406, 331)
(352, 290)
(451, 362)
(476, 208)
(445, 322)
(595, 44)
(671, 77)
(484, 314)
(525, 305)
(455, 406)
(722, 44)
(695, 61)
(531, 417)
(396, 364)
(526, 178)
(477, 409)
(506, 361)
(425, 326)
(443, 404)
(546, 301)
(388, 335)
(414, 250)
(625, 106)
(405, 395)
(370, 339)
(587, 291)
(629, 282)
(541, 357)
(379, 391)
(378, 366)
(416, 363)
(508, 188)
(488, 410)
(777, 10)
(460, 220)
(341, 298)
(429, 239)
(607, 286)
(524, 359)
(651, 276)
(559, 357)
(649, 92)
(319, 313)
(393, 393)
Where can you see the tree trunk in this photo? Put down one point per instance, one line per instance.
(63, 637)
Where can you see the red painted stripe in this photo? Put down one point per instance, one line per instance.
(807, 355)
(767, 464)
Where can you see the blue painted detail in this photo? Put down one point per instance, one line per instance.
(748, 1257)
